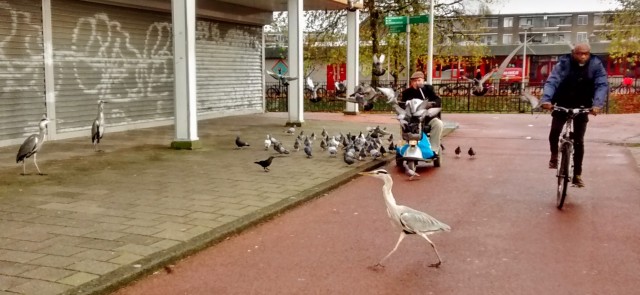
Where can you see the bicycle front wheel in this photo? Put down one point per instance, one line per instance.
(563, 176)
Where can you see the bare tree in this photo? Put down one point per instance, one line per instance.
(625, 32)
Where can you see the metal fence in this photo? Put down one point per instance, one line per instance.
(457, 97)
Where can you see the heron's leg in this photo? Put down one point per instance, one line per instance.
(24, 166)
(36, 162)
(402, 235)
(434, 249)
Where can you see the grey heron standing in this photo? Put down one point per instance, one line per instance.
(97, 129)
(32, 145)
(408, 220)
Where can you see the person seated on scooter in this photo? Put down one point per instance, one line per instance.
(417, 89)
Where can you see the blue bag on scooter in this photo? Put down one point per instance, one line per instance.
(423, 144)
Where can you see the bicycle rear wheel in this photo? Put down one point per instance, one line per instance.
(563, 176)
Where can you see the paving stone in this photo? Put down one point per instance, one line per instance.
(61, 250)
(78, 279)
(137, 249)
(94, 266)
(126, 258)
(142, 230)
(202, 215)
(138, 239)
(206, 223)
(232, 212)
(26, 246)
(40, 288)
(55, 261)
(46, 273)
(174, 235)
(174, 226)
(101, 255)
(164, 244)
(174, 219)
(18, 256)
(8, 282)
(14, 268)
(143, 222)
(101, 244)
(105, 235)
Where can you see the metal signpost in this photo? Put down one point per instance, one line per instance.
(399, 24)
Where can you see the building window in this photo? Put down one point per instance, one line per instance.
(562, 21)
(560, 38)
(508, 22)
(545, 38)
(507, 39)
(600, 19)
(530, 21)
(490, 23)
(582, 37)
(583, 20)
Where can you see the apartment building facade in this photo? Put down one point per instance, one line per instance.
(549, 36)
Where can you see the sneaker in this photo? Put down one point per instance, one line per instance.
(553, 163)
(577, 181)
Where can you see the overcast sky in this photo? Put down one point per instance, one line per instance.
(542, 6)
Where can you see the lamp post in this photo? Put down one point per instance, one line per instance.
(526, 28)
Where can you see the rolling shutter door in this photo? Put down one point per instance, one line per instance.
(229, 67)
(22, 100)
(120, 55)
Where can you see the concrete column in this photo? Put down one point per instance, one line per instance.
(353, 60)
(296, 98)
(49, 85)
(184, 67)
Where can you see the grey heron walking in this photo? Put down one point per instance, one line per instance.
(97, 129)
(32, 145)
(408, 220)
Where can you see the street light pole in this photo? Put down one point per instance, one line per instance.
(430, 60)
(526, 27)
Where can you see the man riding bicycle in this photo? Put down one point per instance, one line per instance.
(577, 80)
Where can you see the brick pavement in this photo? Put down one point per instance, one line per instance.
(98, 220)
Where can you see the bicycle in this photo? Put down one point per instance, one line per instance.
(565, 165)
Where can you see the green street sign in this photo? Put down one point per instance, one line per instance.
(395, 20)
(418, 19)
(398, 29)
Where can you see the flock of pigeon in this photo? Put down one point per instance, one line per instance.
(372, 144)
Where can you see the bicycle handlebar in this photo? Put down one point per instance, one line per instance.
(571, 110)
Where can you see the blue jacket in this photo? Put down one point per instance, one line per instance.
(596, 74)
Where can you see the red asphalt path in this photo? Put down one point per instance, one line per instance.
(507, 236)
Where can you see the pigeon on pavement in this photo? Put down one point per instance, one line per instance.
(265, 163)
(240, 144)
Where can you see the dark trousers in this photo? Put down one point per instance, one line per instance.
(579, 129)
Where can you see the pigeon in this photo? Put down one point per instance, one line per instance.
(324, 133)
(278, 147)
(313, 135)
(267, 144)
(296, 145)
(362, 155)
(333, 151)
(392, 147)
(323, 145)
(290, 131)
(240, 144)
(307, 151)
(265, 163)
(307, 141)
(472, 153)
(390, 94)
(281, 78)
(349, 160)
(377, 65)
(408, 171)
(390, 139)
(530, 98)
(458, 151)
